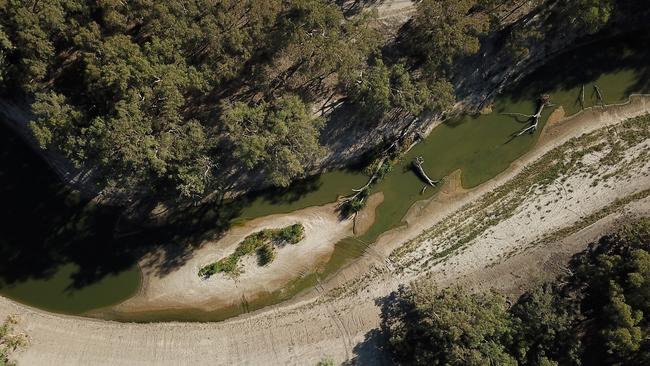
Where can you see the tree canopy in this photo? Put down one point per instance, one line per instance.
(145, 91)
(264, 136)
(447, 327)
(446, 29)
(154, 96)
(596, 315)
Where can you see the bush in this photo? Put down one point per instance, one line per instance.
(292, 234)
(325, 362)
(265, 254)
(261, 243)
(9, 341)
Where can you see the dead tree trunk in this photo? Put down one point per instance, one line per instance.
(599, 95)
(417, 163)
(533, 119)
(359, 191)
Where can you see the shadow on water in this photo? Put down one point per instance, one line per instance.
(64, 253)
(587, 63)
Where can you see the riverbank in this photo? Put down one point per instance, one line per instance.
(182, 288)
(180, 294)
(337, 320)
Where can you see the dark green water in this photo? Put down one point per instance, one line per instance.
(56, 251)
(480, 146)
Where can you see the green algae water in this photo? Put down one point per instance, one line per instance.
(64, 298)
(480, 146)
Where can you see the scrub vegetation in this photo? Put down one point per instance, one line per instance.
(596, 314)
(9, 341)
(262, 243)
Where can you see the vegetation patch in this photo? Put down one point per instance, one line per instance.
(597, 314)
(262, 243)
(9, 341)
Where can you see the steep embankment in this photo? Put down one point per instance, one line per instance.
(526, 215)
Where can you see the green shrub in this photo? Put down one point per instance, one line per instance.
(261, 243)
(265, 254)
(325, 362)
(10, 341)
(292, 234)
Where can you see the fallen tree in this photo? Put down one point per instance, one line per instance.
(353, 203)
(417, 164)
(599, 95)
(533, 119)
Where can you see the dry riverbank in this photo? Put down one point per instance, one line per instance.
(339, 323)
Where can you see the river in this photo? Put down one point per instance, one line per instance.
(62, 254)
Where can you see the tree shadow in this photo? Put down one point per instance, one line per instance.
(46, 226)
(586, 63)
(291, 194)
(370, 351)
(373, 350)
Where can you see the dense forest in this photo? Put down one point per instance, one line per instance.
(595, 315)
(174, 98)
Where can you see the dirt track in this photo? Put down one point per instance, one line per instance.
(306, 330)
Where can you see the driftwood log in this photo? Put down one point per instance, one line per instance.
(533, 119)
(373, 178)
(385, 154)
(417, 163)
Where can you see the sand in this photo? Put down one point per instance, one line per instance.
(184, 288)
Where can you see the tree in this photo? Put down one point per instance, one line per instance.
(373, 90)
(446, 29)
(5, 48)
(382, 88)
(278, 138)
(314, 43)
(56, 125)
(594, 315)
(544, 328)
(427, 326)
(586, 15)
(132, 89)
(616, 277)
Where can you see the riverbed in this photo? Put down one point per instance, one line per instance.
(70, 259)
